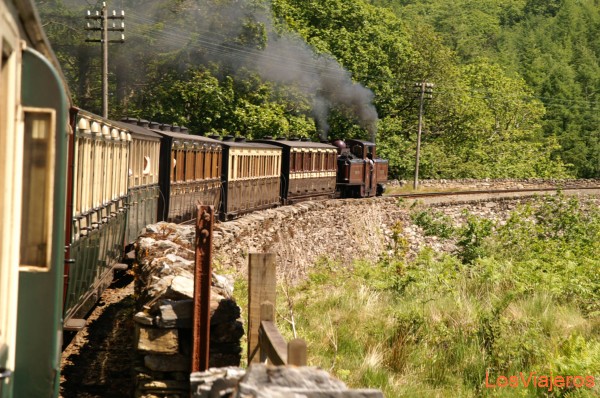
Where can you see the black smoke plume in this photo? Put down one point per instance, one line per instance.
(243, 34)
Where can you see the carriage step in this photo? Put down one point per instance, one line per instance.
(74, 325)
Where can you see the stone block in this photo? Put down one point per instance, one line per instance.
(289, 381)
(177, 314)
(181, 288)
(167, 363)
(228, 332)
(143, 318)
(158, 341)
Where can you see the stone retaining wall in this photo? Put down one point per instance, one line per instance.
(341, 230)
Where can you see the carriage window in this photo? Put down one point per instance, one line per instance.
(370, 152)
(189, 165)
(207, 160)
(147, 165)
(219, 156)
(233, 169)
(215, 165)
(199, 164)
(292, 162)
(173, 165)
(38, 183)
(181, 163)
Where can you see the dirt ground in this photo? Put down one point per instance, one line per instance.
(99, 360)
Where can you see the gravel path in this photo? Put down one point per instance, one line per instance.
(99, 360)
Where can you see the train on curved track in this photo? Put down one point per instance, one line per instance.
(78, 189)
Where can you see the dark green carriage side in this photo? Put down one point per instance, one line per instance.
(39, 322)
(143, 190)
(98, 213)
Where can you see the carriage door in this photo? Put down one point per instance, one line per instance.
(9, 214)
(43, 149)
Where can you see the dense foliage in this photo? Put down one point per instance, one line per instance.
(515, 80)
(552, 45)
(516, 296)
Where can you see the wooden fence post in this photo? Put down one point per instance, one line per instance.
(262, 280)
(296, 350)
(267, 313)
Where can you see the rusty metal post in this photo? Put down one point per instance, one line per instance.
(202, 282)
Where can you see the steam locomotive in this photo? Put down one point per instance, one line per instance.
(78, 188)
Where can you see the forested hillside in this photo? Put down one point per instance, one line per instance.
(554, 45)
(514, 92)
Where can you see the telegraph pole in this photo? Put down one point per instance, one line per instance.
(426, 90)
(102, 17)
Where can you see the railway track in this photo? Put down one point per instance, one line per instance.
(497, 193)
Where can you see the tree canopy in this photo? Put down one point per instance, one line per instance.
(515, 81)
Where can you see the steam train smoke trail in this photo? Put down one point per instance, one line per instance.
(234, 32)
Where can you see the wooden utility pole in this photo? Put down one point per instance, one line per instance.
(426, 90)
(102, 17)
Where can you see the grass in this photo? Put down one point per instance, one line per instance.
(523, 296)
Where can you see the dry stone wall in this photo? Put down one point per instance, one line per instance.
(164, 288)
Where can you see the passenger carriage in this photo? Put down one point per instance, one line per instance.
(251, 177)
(143, 175)
(190, 173)
(97, 207)
(308, 170)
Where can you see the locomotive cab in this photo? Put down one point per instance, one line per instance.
(360, 172)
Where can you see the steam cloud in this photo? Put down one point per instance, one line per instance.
(215, 29)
